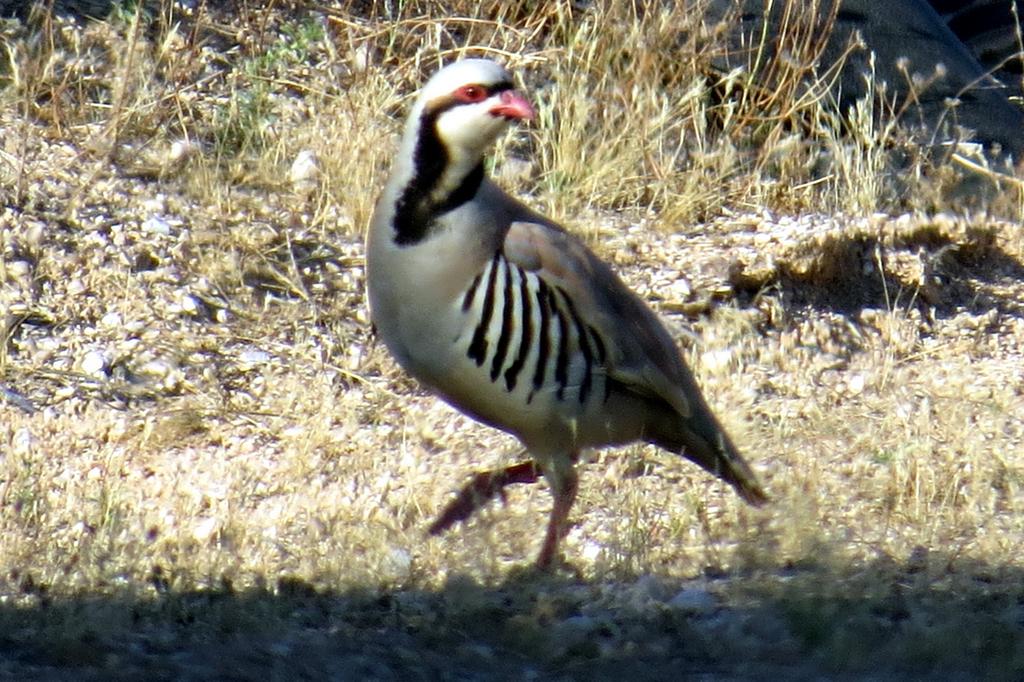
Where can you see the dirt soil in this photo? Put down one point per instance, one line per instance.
(209, 469)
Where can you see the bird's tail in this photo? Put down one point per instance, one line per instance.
(701, 439)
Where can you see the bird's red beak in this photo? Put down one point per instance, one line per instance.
(513, 106)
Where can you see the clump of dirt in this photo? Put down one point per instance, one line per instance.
(944, 264)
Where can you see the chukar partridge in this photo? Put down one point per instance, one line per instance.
(513, 320)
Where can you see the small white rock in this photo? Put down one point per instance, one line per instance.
(189, 304)
(95, 363)
(111, 320)
(156, 224)
(181, 150)
(717, 360)
(156, 369)
(400, 563)
(305, 171)
(34, 235)
(591, 551)
(679, 290)
(205, 528)
(157, 204)
(23, 442)
(253, 357)
(295, 431)
(18, 269)
(361, 57)
(64, 392)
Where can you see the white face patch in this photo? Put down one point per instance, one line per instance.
(469, 128)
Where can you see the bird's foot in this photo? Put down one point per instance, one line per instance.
(481, 488)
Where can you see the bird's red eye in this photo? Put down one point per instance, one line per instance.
(471, 93)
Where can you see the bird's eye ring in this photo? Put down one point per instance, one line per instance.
(471, 93)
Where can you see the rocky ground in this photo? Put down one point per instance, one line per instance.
(211, 470)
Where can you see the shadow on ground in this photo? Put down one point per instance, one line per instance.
(944, 268)
(920, 617)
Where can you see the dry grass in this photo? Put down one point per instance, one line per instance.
(210, 468)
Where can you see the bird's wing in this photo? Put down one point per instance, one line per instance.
(640, 353)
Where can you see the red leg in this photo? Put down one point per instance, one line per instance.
(563, 488)
(481, 488)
